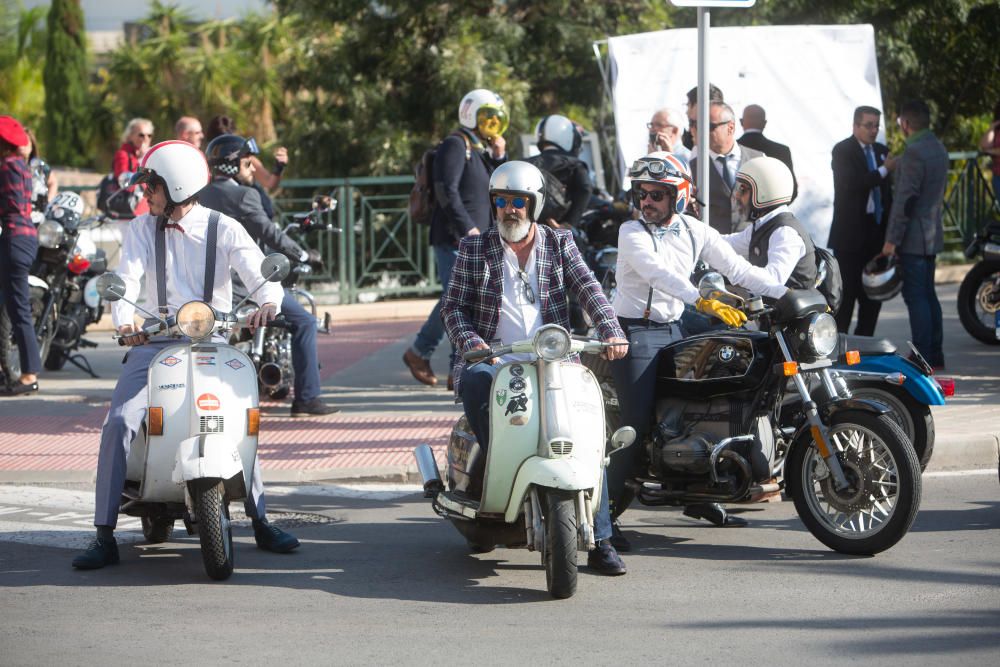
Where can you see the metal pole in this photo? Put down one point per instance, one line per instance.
(704, 21)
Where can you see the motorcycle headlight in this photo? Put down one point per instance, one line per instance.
(50, 234)
(196, 319)
(552, 342)
(822, 334)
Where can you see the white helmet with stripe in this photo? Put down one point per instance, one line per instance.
(180, 166)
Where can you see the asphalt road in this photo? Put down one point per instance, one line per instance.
(380, 579)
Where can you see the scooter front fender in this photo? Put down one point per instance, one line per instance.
(921, 387)
(207, 455)
(565, 474)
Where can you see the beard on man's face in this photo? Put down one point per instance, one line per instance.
(514, 229)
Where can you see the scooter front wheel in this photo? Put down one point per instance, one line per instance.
(883, 494)
(215, 532)
(559, 556)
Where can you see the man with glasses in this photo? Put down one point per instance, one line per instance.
(861, 204)
(656, 255)
(665, 133)
(508, 282)
(727, 157)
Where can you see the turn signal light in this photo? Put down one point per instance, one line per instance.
(852, 357)
(947, 386)
(253, 421)
(78, 264)
(790, 368)
(154, 421)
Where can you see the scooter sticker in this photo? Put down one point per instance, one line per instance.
(501, 397)
(235, 364)
(517, 384)
(170, 361)
(517, 370)
(518, 403)
(208, 402)
(170, 386)
(205, 361)
(518, 420)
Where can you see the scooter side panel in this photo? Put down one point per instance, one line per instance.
(920, 386)
(514, 428)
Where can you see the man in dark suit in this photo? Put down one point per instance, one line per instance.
(753, 121)
(861, 203)
(727, 158)
(229, 156)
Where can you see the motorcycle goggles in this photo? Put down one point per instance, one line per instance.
(656, 168)
(147, 176)
(501, 201)
(491, 121)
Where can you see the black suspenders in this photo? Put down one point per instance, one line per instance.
(694, 258)
(211, 242)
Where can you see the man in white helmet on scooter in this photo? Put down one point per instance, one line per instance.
(530, 267)
(173, 173)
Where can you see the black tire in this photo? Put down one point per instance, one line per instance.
(157, 529)
(910, 415)
(10, 360)
(55, 360)
(279, 393)
(559, 556)
(601, 368)
(214, 531)
(970, 297)
(885, 480)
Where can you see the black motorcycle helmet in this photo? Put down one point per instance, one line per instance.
(882, 278)
(225, 152)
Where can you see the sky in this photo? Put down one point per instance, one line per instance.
(103, 15)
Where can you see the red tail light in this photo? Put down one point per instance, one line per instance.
(78, 264)
(947, 386)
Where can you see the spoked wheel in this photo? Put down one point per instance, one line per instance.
(559, 555)
(10, 358)
(979, 300)
(883, 495)
(910, 415)
(215, 531)
(157, 529)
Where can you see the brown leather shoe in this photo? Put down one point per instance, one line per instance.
(419, 367)
(451, 382)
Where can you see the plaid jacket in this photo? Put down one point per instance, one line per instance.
(15, 197)
(471, 308)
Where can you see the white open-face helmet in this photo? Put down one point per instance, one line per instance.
(483, 110)
(559, 131)
(181, 168)
(770, 183)
(517, 178)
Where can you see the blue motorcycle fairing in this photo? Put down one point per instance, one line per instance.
(921, 387)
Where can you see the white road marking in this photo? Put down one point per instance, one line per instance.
(960, 473)
(359, 491)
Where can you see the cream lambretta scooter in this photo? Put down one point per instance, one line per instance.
(196, 450)
(546, 459)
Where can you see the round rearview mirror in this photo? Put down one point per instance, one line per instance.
(110, 286)
(275, 267)
(711, 286)
(622, 438)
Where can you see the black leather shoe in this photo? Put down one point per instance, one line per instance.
(19, 389)
(619, 541)
(714, 513)
(272, 538)
(98, 554)
(603, 559)
(313, 408)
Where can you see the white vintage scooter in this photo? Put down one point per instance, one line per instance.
(196, 451)
(544, 466)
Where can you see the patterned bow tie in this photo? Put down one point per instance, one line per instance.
(173, 225)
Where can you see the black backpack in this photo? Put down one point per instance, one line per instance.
(828, 279)
(421, 203)
(557, 202)
(113, 201)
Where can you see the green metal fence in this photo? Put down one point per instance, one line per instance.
(969, 202)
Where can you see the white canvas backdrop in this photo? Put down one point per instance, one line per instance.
(809, 79)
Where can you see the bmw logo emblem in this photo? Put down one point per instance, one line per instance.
(726, 353)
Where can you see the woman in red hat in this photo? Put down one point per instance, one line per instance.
(18, 247)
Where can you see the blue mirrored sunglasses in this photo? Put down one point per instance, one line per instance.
(516, 202)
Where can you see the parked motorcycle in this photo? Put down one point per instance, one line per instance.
(196, 450)
(979, 293)
(541, 479)
(720, 435)
(64, 299)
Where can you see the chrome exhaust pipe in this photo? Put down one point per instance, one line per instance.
(270, 374)
(428, 470)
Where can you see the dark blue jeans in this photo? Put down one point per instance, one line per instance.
(305, 359)
(477, 381)
(17, 253)
(926, 324)
(433, 330)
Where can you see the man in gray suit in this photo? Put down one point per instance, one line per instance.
(229, 156)
(727, 157)
(916, 228)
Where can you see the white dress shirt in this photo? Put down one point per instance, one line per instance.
(668, 268)
(185, 264)
(732, 161)
(785, 247)
(519, 317)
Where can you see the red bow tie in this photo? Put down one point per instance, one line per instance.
(173, 225)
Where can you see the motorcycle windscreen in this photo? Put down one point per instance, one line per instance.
(202, 389)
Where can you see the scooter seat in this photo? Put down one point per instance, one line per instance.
(866, 345)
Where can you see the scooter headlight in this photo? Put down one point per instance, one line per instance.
(552, 342)
(822, 334)
(196, 319)
(50, 234)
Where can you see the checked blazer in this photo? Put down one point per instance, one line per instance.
(471, 308)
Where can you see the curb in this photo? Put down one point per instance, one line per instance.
(966, 453)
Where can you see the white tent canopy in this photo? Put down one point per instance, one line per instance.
(809, 79)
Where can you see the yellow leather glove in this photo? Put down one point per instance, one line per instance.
(716, 308)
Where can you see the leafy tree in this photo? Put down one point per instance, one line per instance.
(67, 103)
(22, 48)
